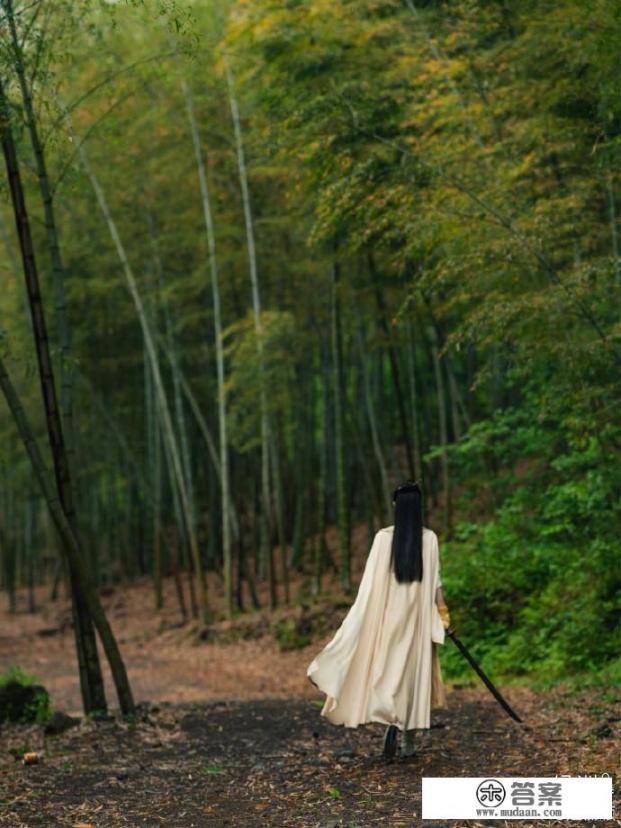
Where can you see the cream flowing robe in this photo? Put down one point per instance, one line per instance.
(382, 664)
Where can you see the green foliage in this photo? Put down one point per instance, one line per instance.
(19, 676)
(272, 368)
(474, 149)
(537, 589)
(289, 634)
(213, 770)
(22, 698)
(97, 715)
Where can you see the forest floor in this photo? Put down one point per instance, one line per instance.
(229, 732)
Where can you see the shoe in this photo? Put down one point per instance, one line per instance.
(408, 744)
(390, 740)
(415, 742)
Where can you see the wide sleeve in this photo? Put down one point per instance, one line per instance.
(328, 670)
(437, 627)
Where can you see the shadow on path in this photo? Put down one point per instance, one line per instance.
(261, 763)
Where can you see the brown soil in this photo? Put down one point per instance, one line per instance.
(164, 659)
(231, 734)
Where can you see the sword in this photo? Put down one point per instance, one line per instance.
(494, 691)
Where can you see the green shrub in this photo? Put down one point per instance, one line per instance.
(22, 699)
(534, 585)
(290, 634)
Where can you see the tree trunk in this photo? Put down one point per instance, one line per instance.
(154, 446)
(320, 544)
(30, 533)
(157, 514)
(266, 521)
(394, 366)
(91, 678)
(58, 273)
(304, 472)
(203, 427)
(83, 627)
(69, 544)
(341, 483)
(217, 320)
(282, 545)
(441, 397)
(192, 530)
(411, 353)
(377, 448)
(164, 410)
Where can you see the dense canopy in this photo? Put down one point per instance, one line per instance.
(293, 253)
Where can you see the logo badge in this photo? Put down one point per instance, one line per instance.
(491, 792)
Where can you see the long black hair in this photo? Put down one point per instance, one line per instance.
(406, 556)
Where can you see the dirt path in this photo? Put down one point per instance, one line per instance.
(274, 762)
(163, 658)
(232, 735)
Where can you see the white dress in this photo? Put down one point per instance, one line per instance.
(382, 664)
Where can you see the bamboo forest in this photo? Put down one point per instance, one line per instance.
(263, 262)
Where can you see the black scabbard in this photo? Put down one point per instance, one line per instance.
(493, 690)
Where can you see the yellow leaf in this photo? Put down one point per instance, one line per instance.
(31, 758)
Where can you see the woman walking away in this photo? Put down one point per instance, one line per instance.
(382, 665)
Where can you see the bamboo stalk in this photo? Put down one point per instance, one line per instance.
(377, 449)
(266, 521)
(217, 318)
(91, 678)
(341, 483)
(70, 544)
(164, 410)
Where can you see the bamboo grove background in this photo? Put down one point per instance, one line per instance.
(291, 253)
